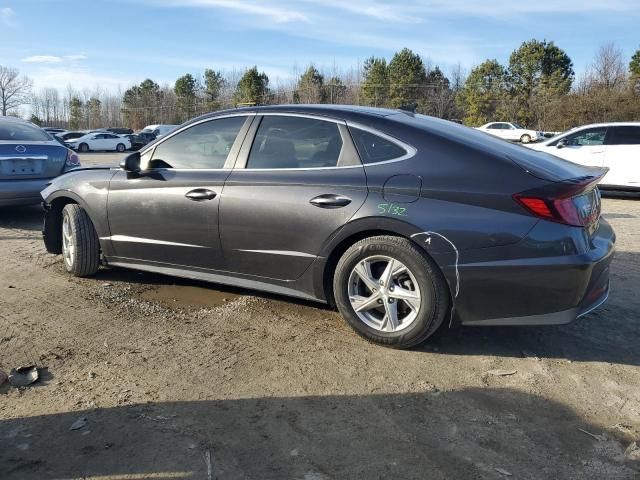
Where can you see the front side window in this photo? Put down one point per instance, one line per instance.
(592, 136)
(627, 135)
(373, 148)
(206, 145)
(295, 142)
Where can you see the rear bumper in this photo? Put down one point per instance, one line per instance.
(540, 290)
(22, 192)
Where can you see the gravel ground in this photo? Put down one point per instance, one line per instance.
(138, 386)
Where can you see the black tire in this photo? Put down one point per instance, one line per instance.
(434, 293)
(525, 138)
(84, 258)
(120, 147)
(83, 147)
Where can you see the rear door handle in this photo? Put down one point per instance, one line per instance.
(330, 200)
(200, 194)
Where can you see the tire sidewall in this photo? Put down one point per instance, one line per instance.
(118, 149)
(416, 263)
(525, 139)
(83, 147)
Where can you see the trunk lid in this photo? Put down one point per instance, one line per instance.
(31, 160)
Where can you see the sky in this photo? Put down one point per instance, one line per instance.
(114, 44)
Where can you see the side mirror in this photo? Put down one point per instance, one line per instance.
(561, 143)
(131, 163)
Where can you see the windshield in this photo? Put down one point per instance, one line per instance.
(517, 126)
(22, 132)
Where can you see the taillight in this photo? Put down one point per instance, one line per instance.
(575, 203)
(72, 161)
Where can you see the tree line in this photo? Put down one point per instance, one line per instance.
(537, 88)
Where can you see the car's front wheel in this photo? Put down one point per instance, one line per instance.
(390, 292)
(80, 246)
(525, 138)
(83, 147)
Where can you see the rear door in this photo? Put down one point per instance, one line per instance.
(168, 213)
(296, 183)
(622, 156)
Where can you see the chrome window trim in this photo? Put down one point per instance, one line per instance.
(185, 127)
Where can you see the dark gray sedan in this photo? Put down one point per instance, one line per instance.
(402, 221)
(29, 159)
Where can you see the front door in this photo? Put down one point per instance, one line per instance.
(299, 181)
(168, 214)
(585, 147)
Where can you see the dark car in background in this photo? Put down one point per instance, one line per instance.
(29, 159)
(119, 130)
(54, 130)
(400, 220)
(65, 136)
(147, 136)
(137, 141)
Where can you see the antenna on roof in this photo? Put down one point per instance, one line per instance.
(411, 107)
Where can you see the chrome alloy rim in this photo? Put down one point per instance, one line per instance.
(384, 293)
(68, 248)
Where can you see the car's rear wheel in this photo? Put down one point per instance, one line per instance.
(525, 138)
(390, 292)
(83, 147)
(80, 246)
(120, 147)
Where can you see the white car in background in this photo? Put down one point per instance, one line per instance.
(512, 132)
(613, 145)
(99, 141)
(159, 130)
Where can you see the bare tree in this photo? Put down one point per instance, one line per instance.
(14, 89)
(609, 70)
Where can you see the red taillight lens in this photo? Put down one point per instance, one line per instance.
(578, 204)
(73, 161)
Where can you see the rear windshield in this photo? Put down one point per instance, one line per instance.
(22, 132)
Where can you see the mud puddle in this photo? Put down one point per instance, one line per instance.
(188, 297)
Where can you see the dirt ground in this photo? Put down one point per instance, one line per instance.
(146, 376)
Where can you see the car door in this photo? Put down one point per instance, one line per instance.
(168, 213)
(622, 156)
(297, 181)
(111, 141)
(585, 147)
(510, 132)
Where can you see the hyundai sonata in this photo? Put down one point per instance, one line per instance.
(401, 221)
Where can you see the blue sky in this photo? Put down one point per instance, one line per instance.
(119, 42)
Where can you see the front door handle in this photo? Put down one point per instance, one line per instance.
(330, 200)
(200, 194)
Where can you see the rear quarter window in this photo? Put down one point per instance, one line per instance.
(373, 148)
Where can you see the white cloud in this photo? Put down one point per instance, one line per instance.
(274, 13)
(52, 59)
(64, 75)
(7, 16)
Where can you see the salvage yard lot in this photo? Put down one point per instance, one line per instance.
(179, 379)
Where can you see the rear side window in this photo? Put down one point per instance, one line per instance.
(22, 132)
(374, 148)
(295, 142)
(206, 145)
(623, 136)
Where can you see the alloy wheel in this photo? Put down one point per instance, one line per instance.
(68, 247)
(384, 293)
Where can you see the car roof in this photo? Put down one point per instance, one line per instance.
(607, 124)
(317, 109)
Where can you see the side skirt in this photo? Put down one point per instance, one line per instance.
(209, 276)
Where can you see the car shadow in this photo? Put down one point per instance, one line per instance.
(469, 433)
(22, 218)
